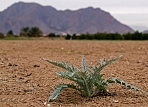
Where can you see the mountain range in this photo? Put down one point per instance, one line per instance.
(49, 19)
(145, 31)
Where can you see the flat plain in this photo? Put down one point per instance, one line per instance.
(27, 81)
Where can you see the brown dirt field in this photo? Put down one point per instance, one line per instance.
(26, 80)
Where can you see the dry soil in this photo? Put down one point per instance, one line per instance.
(26, 80)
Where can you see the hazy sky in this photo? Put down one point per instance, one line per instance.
(131, 12)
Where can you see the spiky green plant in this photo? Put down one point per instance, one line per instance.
(88, 80)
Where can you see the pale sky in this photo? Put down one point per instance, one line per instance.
(133, 13)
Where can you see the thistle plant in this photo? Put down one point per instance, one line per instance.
(88, 80)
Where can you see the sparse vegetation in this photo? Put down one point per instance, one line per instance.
(1, 35)
(51, 35)
(31, 32)
(24, 31)
(68, 36)
(111, 36)
(36, 32)
(88, 80)
(10, 33)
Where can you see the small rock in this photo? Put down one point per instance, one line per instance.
(29, 74)
(48, 105)
(115, 101)
(26, 81)
(28, 90)
(36, 65)
(45, 103)
(4, 79)
(15, 65)
(139, 61)
(9, 64)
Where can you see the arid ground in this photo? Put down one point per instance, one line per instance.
(27, 81)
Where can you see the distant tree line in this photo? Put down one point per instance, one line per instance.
(109, 36)
(37, 32)
(24, 32)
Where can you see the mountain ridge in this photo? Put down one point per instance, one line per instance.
(49, 19)
(145, 31)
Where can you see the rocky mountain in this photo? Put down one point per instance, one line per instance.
(48, 19)
(145, 31)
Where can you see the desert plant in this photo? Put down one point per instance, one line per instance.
(10, 33)
(24, 31)
(68, 36)
(1, 35)
(88, 80)
(35, 32)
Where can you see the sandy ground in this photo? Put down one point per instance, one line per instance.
(26, 80)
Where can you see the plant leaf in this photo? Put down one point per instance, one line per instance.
(127, 85)
(56, 91)
(97, 70)
(65, 74)
(62, 65)
(73, 77)
(106, 62)
(83, 64)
